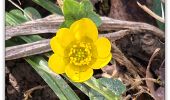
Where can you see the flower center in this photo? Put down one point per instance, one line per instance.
(80, 54)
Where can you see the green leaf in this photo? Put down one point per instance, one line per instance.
(81, 86)
(48, 5)
(66, 23)
(157, 8)
(74, 11)
(14, 17)
(98, 87)
(32, 12)
(86, 6)
(8, 43)
(115, 85)
(9, 20)
(71, 10)
(95, 17)
(93, 95)
(18, 14)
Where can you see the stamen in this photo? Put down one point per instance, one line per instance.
(80, 54)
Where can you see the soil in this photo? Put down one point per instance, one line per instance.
(20, 76)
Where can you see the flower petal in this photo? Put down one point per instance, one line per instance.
(65, 36)
(99, 63)
(56, 47)
(76, 75)
(103, 47)
(84, 28)
(56, 63)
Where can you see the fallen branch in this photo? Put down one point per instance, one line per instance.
(39, 26)
(42, 46)
(15, 52)
(51, 23)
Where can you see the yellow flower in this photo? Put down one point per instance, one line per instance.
(78, 50)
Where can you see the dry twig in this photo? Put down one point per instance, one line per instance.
(51, 23)
(149, 83)
(27, 94)
(146, 9)
(29, 49)
(42, 46)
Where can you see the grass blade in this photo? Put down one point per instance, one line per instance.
(48, 5)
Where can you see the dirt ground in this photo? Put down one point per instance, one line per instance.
(20, 76)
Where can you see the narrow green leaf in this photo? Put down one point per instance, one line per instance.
(32, 12)
(9, 43)
(157, 8)
(80, 86)
(14, 17)
(9, 20)
(18, 14)
(48, 5)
